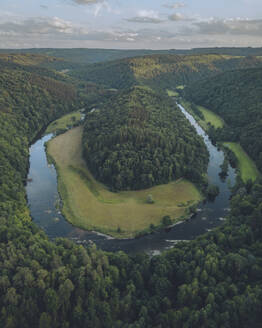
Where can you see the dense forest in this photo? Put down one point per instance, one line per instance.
(139, 139)
(237, 97)
(161, 71)
(213, 281)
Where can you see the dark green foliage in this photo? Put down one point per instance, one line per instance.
(237, 97)
(161, 71)
(166, 220)
(224, 168)
(197, 111)
(141, 139)
(28, 102)
(212, 192)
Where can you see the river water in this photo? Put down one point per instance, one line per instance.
(43, 200)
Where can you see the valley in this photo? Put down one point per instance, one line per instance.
(203, 272)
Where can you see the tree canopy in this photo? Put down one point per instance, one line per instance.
(139, 139)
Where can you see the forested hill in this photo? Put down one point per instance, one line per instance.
(141, 139)
(162, 71)
(237, 97)
(28, 102)
(91, 56)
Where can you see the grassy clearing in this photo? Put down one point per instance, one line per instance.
(63, 122)
(90, 205)
(247, 167)
(210, 117)
(172, 93)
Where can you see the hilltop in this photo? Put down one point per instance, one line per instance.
(162, 71)
(140, 139)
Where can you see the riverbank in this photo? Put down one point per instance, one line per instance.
(210, 118)
(65, 122)
(247, 167)
(89, 205)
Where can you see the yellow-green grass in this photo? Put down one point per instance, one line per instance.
(180, 87)
(90, 205)
(210, 117)
(63, 122)
(172, 93)
(247, 167)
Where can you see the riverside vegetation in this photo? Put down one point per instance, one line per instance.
(213, 281)
(236, 97)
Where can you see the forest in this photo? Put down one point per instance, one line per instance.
(161, 71)
(213, 281)
(140, 139)
(237, 97)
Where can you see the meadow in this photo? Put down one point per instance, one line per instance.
(210, 118)
(90, 205)
(246, 166)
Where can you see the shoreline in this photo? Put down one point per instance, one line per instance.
(125, 235)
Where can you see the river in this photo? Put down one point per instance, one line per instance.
(43, 200)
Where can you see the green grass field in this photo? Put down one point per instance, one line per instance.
(172, 93)
(247, 167)
(90, 205)
(210, 117)
(63, 122)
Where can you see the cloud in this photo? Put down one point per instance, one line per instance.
(179, 17)
(21, 32)
(234, 26)
(44, 6)
(146, 16)
(175, 5)
(139, 19)
(36, 26)
(87, 2)
(44, 30)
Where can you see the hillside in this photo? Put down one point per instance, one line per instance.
(162, 71)
(237, 97)
(28, 102)
(141, 139)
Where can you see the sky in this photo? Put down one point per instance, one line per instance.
(126, 24)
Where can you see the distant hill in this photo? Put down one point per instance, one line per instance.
(162, 71)
(141, 139)
(90, 56)
(237, 97)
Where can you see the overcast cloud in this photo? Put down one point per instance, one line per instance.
(129, 24)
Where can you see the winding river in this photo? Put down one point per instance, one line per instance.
(43, 200)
